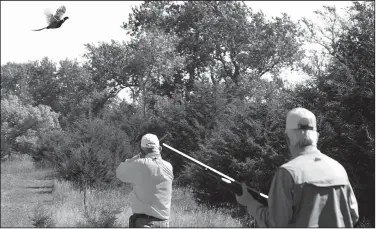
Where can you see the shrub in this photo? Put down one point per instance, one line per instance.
(88, 153)
(42, 217)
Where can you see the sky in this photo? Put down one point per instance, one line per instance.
(89, 22)
(98, 21)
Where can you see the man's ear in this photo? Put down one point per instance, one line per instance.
(160, 148)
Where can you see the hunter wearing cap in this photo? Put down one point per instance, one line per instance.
(151, 177)
(311, 190)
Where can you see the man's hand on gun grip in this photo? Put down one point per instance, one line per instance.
(245, 199)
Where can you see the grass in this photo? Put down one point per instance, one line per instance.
(27, 200)
(186, 213)
(68, 210)
(22, 189)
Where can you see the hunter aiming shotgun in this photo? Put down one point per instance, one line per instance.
(226, 181)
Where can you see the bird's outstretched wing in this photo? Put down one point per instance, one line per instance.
(49, 16)
(59, 12)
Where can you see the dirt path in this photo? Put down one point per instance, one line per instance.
(22, 188)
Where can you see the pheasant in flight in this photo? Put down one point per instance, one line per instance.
(54, 21)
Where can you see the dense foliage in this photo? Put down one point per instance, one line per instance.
(206, 75)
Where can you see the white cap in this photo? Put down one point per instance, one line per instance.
(149, 141)
(300, 118)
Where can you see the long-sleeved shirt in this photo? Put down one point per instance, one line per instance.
(311, 190)
(151, 177)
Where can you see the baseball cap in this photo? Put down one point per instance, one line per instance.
(300, 119)
(149, 141)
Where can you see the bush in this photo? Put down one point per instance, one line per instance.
(88, 153)
(41, 217)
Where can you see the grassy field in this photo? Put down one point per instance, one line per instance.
(23, 188)
(29, 197)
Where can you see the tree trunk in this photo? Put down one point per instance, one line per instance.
(144, 98)
(84, 203)
(215, 88)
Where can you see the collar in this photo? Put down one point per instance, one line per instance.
(306, 151)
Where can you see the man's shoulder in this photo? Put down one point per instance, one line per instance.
(298, 163)
(316, 167)
(168, 164)
(335, 164)
(293, 163)
(303, 159)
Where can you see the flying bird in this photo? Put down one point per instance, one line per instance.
(54, 21)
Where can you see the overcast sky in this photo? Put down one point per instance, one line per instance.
(93, 22)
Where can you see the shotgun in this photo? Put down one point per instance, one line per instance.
(227, 182)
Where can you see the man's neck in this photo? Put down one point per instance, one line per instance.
(153, 155)
(297, 151)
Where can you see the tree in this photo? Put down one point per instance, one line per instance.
(64, 87)
(141, 65)
(43, 84)
(21, 125)
(76, 91)
(246, 143)
(222, 37)
(15, 80)
(151, 62)
(105, 63)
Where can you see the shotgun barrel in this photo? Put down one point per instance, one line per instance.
(226, 181)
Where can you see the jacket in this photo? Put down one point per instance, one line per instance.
(311, 190)
(151, 177)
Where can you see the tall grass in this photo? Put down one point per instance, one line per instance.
(113, 205)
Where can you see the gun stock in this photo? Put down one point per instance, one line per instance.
(226, 181)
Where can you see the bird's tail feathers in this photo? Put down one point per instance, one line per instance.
(39, 29)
